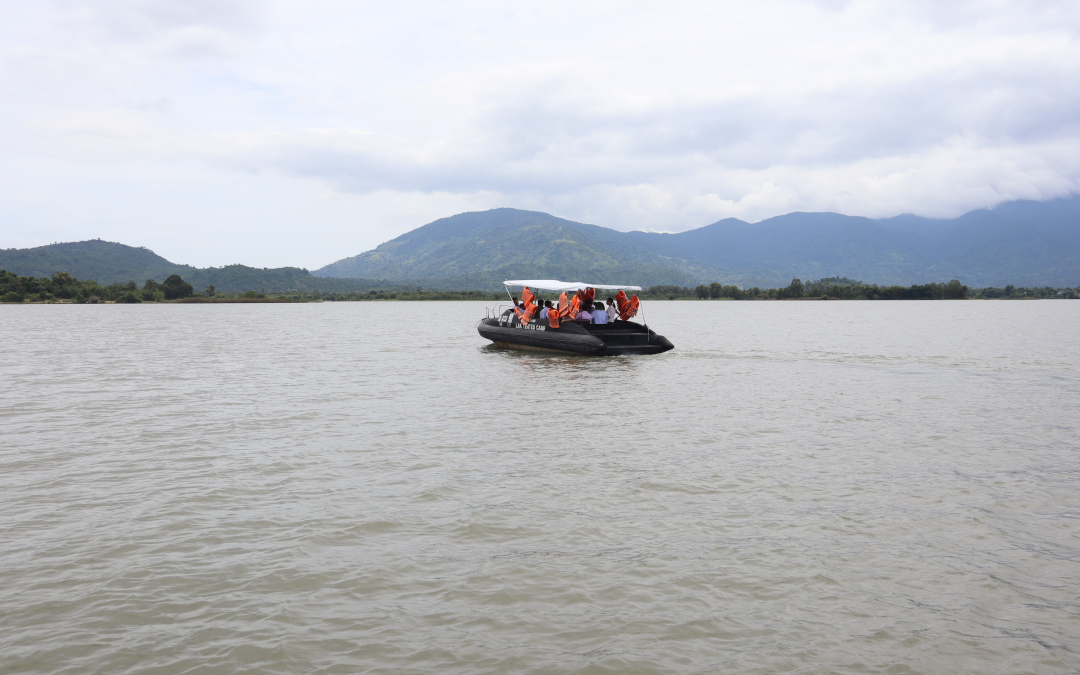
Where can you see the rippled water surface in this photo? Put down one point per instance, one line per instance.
(820, 487)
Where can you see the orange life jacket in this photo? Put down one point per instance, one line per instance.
(526, 298)
(564, 305)
(553, 317)
(528, 309)
(572, 308)
(530, 312)
(628, 309)
(590, 294)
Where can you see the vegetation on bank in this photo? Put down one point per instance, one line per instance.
(62, 287)
(842, 288)
(418, 294)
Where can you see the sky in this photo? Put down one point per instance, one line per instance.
(298, 133)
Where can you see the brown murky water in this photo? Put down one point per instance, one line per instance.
(846, 487)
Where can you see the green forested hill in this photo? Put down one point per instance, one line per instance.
(481, 249)
(1022, 243)
(107, 263)
(240, 278)
(799, 245)
(1026, 243)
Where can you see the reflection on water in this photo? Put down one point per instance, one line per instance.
(798, 487)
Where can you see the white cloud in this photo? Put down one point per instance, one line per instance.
(351, 123)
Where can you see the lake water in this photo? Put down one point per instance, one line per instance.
(810, 487)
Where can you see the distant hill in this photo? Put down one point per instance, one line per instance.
(803, 245)
(240, 278)
(107, 263)
(1023, 243)
(480, 250)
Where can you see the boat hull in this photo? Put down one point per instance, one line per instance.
(614, 339)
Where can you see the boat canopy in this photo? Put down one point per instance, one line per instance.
(556, 285)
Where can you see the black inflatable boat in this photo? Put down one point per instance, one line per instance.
(505, 328)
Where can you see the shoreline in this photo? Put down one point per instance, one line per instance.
(302, 301)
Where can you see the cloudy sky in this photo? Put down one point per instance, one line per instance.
(297, 133)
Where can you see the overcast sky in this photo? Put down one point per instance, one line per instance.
(298, 133)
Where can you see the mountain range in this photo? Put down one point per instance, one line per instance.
(108, 262)
(1024, 243)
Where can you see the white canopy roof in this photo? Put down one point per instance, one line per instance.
(556, 285)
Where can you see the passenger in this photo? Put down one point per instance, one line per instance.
(517, 305)
(611, 311)
(584, 314)
(545, 310)
(598, 313)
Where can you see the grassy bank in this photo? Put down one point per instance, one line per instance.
(63, 288)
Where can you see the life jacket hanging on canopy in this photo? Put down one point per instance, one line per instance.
(519, 310)
(530, 311)
(569, 309)
(564, 306)
(628, 308)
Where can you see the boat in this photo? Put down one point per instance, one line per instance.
(517, 329)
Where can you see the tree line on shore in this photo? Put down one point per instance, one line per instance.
(842, 288)
(63, 287)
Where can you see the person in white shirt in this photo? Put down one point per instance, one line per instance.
(598, 313)
(545, 310)
(611, 311)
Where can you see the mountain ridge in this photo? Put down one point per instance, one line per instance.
(1022, 242)
(507, 243)
(108, 262)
